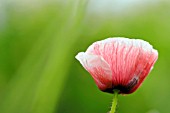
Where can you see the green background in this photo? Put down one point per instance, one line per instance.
(39, 41)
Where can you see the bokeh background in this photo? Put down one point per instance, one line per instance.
(39, 40)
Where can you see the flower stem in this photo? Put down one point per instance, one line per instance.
(114, 103)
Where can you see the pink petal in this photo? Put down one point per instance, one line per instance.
(130, 60)
(98, 68)
(146, 70)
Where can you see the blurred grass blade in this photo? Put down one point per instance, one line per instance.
(37, 85)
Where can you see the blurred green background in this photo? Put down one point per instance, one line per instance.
(39, 40)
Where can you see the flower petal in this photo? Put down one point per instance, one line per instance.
(129, 59)
(146, 70)
(98, 68)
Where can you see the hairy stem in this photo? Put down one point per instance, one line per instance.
(114, 103)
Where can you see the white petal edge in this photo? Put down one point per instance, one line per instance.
(89, 61)
(146, 46)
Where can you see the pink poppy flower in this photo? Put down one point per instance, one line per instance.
(119, 63)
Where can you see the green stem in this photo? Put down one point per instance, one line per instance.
(114, 103)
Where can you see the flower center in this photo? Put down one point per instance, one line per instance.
(124, 89)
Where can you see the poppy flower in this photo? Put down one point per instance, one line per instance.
(118, 63)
